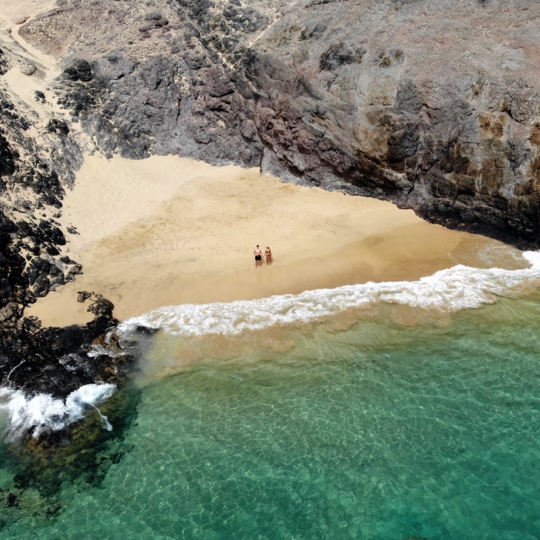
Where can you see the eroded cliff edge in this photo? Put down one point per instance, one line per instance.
(433, 105)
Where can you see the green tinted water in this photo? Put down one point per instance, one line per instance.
(379, 431)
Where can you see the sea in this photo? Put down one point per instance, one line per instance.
(401, 410)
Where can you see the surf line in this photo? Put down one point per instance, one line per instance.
(42, 413)
(451, 290)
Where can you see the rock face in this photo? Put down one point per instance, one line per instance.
(142, 81)
(431, 104)
(434, 105)
(34, 171)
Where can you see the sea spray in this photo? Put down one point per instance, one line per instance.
(451, 290)
(42, 413)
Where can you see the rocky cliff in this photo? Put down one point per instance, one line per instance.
(431, 104)
(37, 160)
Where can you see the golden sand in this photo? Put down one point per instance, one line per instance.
(167, 231)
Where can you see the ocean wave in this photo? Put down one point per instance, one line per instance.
(42, 413)
(451, 290)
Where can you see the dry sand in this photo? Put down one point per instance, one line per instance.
(168, 231)
(18, 11)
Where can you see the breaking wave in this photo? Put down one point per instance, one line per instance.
(457, 288)
(42, 413)
(451, 290)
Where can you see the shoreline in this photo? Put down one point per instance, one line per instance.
(168, 231)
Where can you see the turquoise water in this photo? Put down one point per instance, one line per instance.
(376, 429)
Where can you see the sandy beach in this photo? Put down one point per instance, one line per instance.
(168, 231)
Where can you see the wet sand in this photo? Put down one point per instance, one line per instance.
(168, 231)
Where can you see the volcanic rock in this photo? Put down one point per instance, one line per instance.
(396, 100)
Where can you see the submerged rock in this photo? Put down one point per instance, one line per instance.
(81, 456)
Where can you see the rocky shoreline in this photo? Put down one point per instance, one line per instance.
(37, 163)
(31, 241)
(368, 98)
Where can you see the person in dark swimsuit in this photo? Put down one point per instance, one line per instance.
(268, 255)
(258, 256)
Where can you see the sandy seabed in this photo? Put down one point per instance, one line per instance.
(168, 231)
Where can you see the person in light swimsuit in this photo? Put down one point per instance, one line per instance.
(258, 256)
(268, 255)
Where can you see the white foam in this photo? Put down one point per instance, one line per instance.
(451, 290)
(42, 413)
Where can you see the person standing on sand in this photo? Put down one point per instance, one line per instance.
(268, 255)
(258, 256)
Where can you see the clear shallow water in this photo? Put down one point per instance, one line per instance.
(375, 429)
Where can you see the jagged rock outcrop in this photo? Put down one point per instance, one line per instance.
(142, 80)
(58, 361)
(37, 163)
